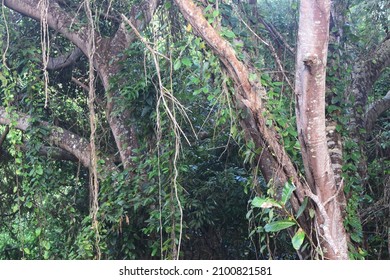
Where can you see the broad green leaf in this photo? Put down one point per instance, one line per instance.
(46, 245)
(186, 61)
(229, 34)
(287, 192)
(298, 238)
(302, 208)
(46, 255)
(27, 251)
(267, 202)
(29, 204)
(177, 65)
(39, 170)
(15, 208)
(278, 225)
(38, 232)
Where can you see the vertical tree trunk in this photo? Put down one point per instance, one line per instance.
(313, 36)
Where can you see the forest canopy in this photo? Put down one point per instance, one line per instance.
(185, 129)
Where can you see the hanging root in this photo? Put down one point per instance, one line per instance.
(94, 184)
(43, 6)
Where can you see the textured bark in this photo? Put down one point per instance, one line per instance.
(108, 65)
(313, 35)
(365, 72)
(374, 111)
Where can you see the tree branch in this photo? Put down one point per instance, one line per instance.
(57, 19)
(64, 139)
(366, 71)
(65, 60)
(53, 153)
(374, 111)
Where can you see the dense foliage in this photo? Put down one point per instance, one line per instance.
(195, 183)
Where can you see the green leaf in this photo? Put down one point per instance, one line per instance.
(46, 245)
(302, 207)
(278, 225)
(39, 170)
(186, 61)
(287, 192)
(229, 34)
(27, 251)
(3, 80)
(38, 232)
(298, 238)
(29, 204)
(177, 65)
(260, 202)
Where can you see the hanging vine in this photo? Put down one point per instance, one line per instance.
(93, 176)
(45, 44)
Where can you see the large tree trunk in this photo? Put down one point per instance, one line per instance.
(313, 35)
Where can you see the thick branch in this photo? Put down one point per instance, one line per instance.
(375, 110)
(108, 65)
(62, 61)
(57, 19)
(365, 72)
(64, 139)
(53, 153)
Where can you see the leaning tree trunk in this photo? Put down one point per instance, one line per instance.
(275, 164)
(313, 36)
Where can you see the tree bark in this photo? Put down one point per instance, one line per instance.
(313, 35)
(374, 111)
(365, 72)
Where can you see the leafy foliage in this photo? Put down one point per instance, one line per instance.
(44, 202)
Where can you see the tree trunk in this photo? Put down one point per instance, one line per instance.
(313, 35)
